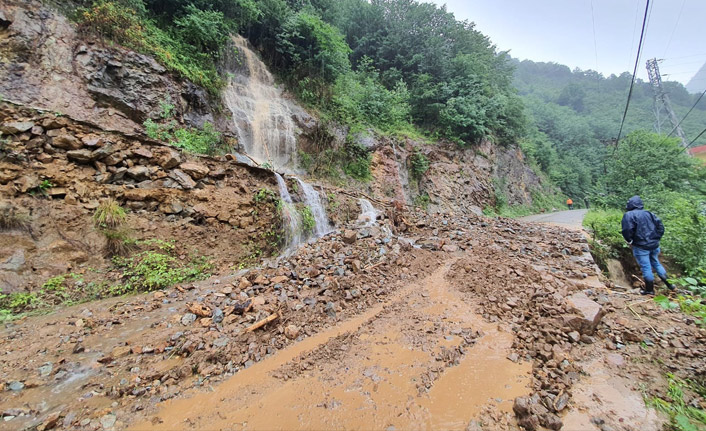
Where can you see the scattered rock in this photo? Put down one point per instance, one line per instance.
(80, 156)
(183, 179)
(66, 142)
(15, 127)
(194, 170)
(16, 386)
(188, 318)
(588, 313)
(291, 331)
(349, 237)
(139, 173)
(108, 421)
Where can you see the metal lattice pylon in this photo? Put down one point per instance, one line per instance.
(662, 107)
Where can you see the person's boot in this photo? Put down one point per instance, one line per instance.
(649, 288)
(669, 285)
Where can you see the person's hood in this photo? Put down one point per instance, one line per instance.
(634, 203)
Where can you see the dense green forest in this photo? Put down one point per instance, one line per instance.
(389, 64)
(575, 118)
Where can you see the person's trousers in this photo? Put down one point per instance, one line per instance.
(649, 261)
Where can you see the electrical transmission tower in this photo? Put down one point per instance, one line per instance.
(662, 107)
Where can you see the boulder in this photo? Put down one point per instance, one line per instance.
(15, 127)
(139, 173)
(349, 236)
(80, 156)
(143, 152)
(194, 170)
(168, 158)
(92, 141)
(66, 142)
(183, 179)
(587, 313)
(15, 262)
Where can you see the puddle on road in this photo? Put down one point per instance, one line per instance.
(376, 385)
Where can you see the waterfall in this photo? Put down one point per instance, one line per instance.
(313, 200)
(290, 215)
(262, 117)
(368, 214)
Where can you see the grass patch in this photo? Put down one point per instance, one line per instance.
(683, 417)
(206, 140)
(11, 219)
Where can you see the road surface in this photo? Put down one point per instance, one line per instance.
(572, 219)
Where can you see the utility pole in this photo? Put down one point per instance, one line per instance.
(662, 106)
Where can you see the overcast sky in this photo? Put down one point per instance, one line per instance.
(562, 31)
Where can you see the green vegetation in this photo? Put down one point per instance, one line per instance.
(11, 219)
(308, 222)
(152, 270)
(422, 201)
(541, 202)
(682, 417)
(155, 267)
(177, 45)
(574, 120)
(199, 141)
(671, 184)
(353, 60)
(418, 164)
(110, 219)
(357, 159)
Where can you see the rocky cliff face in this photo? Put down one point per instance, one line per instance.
(54, 172)
(458, 180)
(45, 63)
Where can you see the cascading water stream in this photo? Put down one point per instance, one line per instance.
(368, 214)
(290, 215)
(312, 199)
(262, 117)
(267, 134)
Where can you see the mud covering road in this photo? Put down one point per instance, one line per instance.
(433, 322)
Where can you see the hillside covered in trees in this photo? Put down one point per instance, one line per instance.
(576, 118)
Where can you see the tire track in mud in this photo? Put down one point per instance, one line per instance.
(422, 360)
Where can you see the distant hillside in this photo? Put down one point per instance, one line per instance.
(575, 115)
(697, 84)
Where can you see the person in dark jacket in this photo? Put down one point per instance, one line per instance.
(643, 230)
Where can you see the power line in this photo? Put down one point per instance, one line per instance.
(634, 72)
(681, 9)
(686, 56)
(595, 44)
(697, 137)
(692, 142)
(687, 114)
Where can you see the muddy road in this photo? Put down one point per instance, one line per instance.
(443, 322)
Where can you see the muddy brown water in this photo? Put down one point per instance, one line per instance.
(375, 383)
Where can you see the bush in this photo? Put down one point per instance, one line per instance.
(204, 141)
(308, 221)
(313, 48)
(11, 219)
(158, 269)
(357, 159)
(109, 214)
(198, 141)
(419, 164)
(121, 23)
(359, 98)
(204, 29)
(110, 219)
